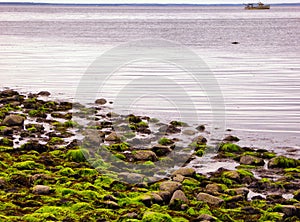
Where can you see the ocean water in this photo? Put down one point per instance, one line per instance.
(52, 48)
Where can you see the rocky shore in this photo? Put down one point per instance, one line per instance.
(63, 161)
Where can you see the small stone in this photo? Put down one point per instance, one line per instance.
(112, 137)
(111, 204)
(212, 200)
(178, 197)
(231, 138)
(41, 189)
(101, 101)
(145, 155)
(13, 120)
(200, 128)
(238, 191)
(132, 215)
(187, 172)
(201, 140)
(161, 150)
(205, 217)
(44, 93)
(252, 160)
(189, 132)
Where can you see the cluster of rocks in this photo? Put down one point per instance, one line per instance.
(49, 175)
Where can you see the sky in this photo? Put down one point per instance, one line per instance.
(155, 1)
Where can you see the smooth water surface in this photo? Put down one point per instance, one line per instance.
(51, 47)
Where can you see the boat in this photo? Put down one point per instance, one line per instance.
(254, 6)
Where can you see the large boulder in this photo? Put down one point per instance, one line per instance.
(283, 162)
(13, 120)
(212, 200)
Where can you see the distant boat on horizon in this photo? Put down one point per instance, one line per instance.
(255, 6)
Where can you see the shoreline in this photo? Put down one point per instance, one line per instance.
(49, 173)
(137, 4)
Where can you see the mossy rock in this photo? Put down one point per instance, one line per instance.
(230, 147)
(6, 142)
(50, 213)
(6, 148)
(283, 162)
(55, 141)
(120, 147)
(28, 165)
(165, 141)
(78, 155)
(155, 217)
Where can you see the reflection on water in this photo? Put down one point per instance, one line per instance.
(50, 48)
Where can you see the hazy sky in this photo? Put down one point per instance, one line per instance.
(156, 1)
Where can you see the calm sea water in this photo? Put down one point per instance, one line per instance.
(51, 47)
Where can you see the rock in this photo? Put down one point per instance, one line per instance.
(177, 199)
(178, 178)
(113, 137)
(231, 174)
(132, 177)
(101, 101)
(212, 200)
(235, 199)
(187, 172)
(7, 131)
(252, 160)
(110, 197)
(250, 210)
(13, 120)
(2, 183)
(230, 147)
(8, 93)
(290, 210)
(238, 191)
(156, 198)
(235, 43)
(189, 132)
(200, 140)
(132, 215)
(283, 162)
(297, 195)
(205, 217)
(165, 195)
(44, 93)
(169, 129)
(111, 204)
(231, 138)
(41, 189)
(200, 128)
(145, 155)
(213, 188)
(161, 150)
(170, 186)
(35, 145)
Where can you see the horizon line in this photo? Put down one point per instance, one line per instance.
(133, 4)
